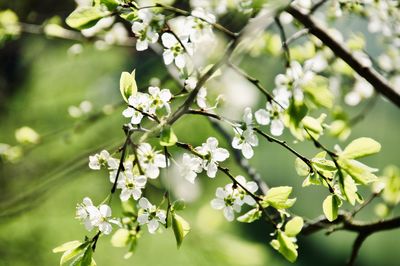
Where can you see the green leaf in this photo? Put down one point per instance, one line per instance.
(250, 216)
(285, 246)
(181, 227)
(178, 205)
(168, 137)
(330, 207)
(87, 257)
(70, 254)
(85, 17)
(110, 4)
(294, 226)
(127, 85)
(120, 238)
(360, 172)
(302, 168)
(350, 189)
(278, 197)
(319, 93)
(361, 147)
(67, 246)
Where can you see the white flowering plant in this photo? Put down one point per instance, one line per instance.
(302, 105)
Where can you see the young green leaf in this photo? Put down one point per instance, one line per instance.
(87, 257)
(127, 85)
(302, 168)
(70, 254)
(278, 197)
(284, 245)
(181, 227)
(361, 147)
(67, 246)
(330, 207)
(294, 226)
(85, 17)
(178, 205)
(250, 216)
(168, 137)
(360, 172)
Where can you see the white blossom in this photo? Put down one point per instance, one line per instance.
(138, 103)
(150, 160)
(102, 159)
(101, 218)
(200, 24)
(131, 186)
(146, 31)
(159, 98)
(174, 51)
(273, 115)
(150, 215)
(245, 138)
(190, 167)
(228, 200)
(251, 186)
(82, 213)
(213, 155)
(92, 216)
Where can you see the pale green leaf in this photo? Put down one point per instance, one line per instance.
(70, 254)
(294, 226)
(360, 172)
(302, 168)
(168, 137)
(181, 227)
(330, 207)
(127, 85)
(350, 189)
(278, 197)
(250, 216)
(361, 147)
(85, 17)
(178, 205)
(285, 246)
(67, 246)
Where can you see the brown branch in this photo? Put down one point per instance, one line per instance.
(372, 76)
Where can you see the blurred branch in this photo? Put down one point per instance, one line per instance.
(372, 76)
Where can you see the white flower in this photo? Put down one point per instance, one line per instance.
(190, 167)
(150, 215)
(213, 155)
(228, 200)
(138, 103)
(295, 78)
(273, 114)
(147, 31)
(101, 218)
(159, 98)
(200, 24)
(150, 160)
(131, 186)
(251, 186)
(95, 217)
(103, 159)
(144, 35)
(245, 138)
(174, 51)
(82, 213)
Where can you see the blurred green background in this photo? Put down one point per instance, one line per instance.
(38, 194)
